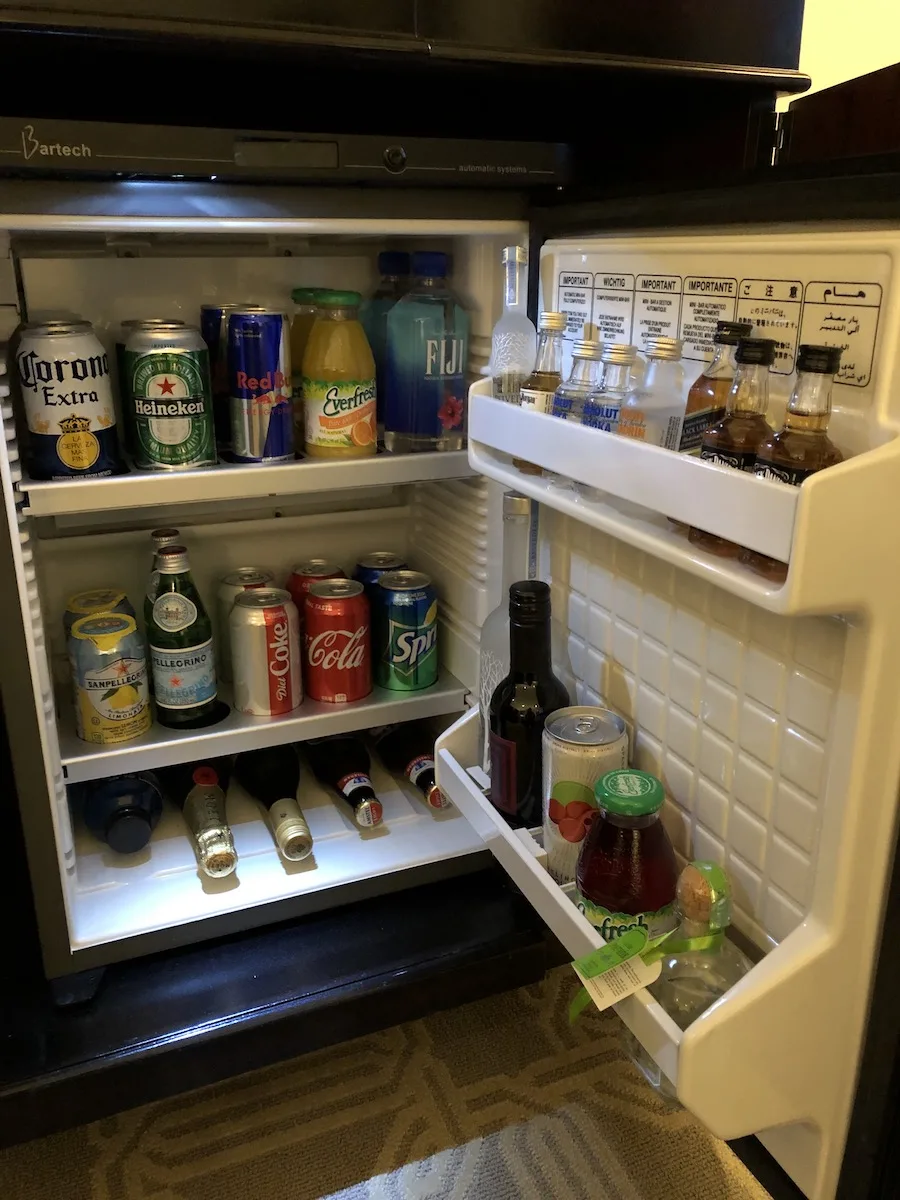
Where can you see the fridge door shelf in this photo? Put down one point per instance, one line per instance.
(161, 747)
(146, 489)
(814, 527)
(753, 1060)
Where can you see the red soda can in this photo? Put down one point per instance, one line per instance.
(338, 657)
(304, 574)
(265, 652)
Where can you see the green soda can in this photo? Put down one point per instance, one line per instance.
(166, 383)
(404, 631)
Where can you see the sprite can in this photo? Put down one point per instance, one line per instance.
(404, 631)
(167, 385)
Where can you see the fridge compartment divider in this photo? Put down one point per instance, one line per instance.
(814, 527)
(147, 489)
(162, 747)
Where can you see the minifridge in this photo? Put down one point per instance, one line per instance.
(770, 712)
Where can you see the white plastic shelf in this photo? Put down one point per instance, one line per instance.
(115, 896)
(813, 527)
(160, 746)
(143, 489)
(756, 1058)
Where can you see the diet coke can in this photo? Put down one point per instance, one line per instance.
(230, 587)
(265, 651)
(304, 574)
(338, 643)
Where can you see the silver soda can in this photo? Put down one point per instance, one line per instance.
(126, 329)
(63, 374)
(265, 651)
(230, 587)
(166, 373)
(580, 744)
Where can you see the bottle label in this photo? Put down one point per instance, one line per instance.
(184, 678)
(507, 385)
(737, 460)
(204, 807)
(174, 612)
(340, 415)
(113, 702)
(792, 475)
(695, 427)
(348, 785)
(418, 767)
(536, 399)
(503, 774)
(633, 424)
(611, 925)
(601, 413)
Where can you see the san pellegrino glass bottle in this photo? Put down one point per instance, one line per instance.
(699, 963)
(654, 412)
(272, 776)
(493, 656)
(159, 538)
(520, 706)
(514, 339)
(569, 398)
(734, 441)
(601, 408)
(199, 789)
(802, 446)
(427, 350)
(179, 633)
(393, 267)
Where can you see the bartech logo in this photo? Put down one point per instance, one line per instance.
(33, 147)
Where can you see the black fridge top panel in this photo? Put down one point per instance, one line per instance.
(34, 146)
(692, 35)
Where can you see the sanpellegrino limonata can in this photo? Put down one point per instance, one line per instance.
(425, 376)
(520, 706)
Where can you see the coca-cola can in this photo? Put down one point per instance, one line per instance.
(338, 656)
(265, 651)
(304, 574)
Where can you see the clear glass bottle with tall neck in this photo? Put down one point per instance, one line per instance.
(601, 409)
(514, 339)
(708, 395)
(802, 446)
(539, 388)
(734, 441)
(493, 657)
(654, 412)
(179, 633)
(520, 706)
(570, 396)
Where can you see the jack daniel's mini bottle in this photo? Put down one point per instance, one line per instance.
(802, 446)
(734, 441)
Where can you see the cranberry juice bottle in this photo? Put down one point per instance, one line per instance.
(627, 874)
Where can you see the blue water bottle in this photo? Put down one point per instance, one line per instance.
(393, 267)
(122, 811)
(427, 348)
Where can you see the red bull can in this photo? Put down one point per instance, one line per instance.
(261, 393)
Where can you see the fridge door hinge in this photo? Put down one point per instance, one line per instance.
(781, 136)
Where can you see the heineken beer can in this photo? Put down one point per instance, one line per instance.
(166, 382)
(63, 374)
(404, 622)
(126, 329)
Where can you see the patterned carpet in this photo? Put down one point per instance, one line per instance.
(498, 1100)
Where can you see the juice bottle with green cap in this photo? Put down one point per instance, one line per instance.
(627, 874)
(339, 381)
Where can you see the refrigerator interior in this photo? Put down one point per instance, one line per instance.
(770, 712)
(79, 535)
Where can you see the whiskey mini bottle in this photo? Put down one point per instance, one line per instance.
(734, 441)
(802, 446)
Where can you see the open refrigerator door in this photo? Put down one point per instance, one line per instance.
(769, 712)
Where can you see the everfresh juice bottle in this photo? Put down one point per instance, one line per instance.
(306, 309)
(339, 382)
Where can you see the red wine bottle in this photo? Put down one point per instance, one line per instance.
(521, 704)
(342, 763)
(408, 750)
(272, 775)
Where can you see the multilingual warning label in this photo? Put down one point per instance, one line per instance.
(612, 308)
(706, 301)
(773, 306)
(657, 307)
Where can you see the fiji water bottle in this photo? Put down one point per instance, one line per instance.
(425, 382)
